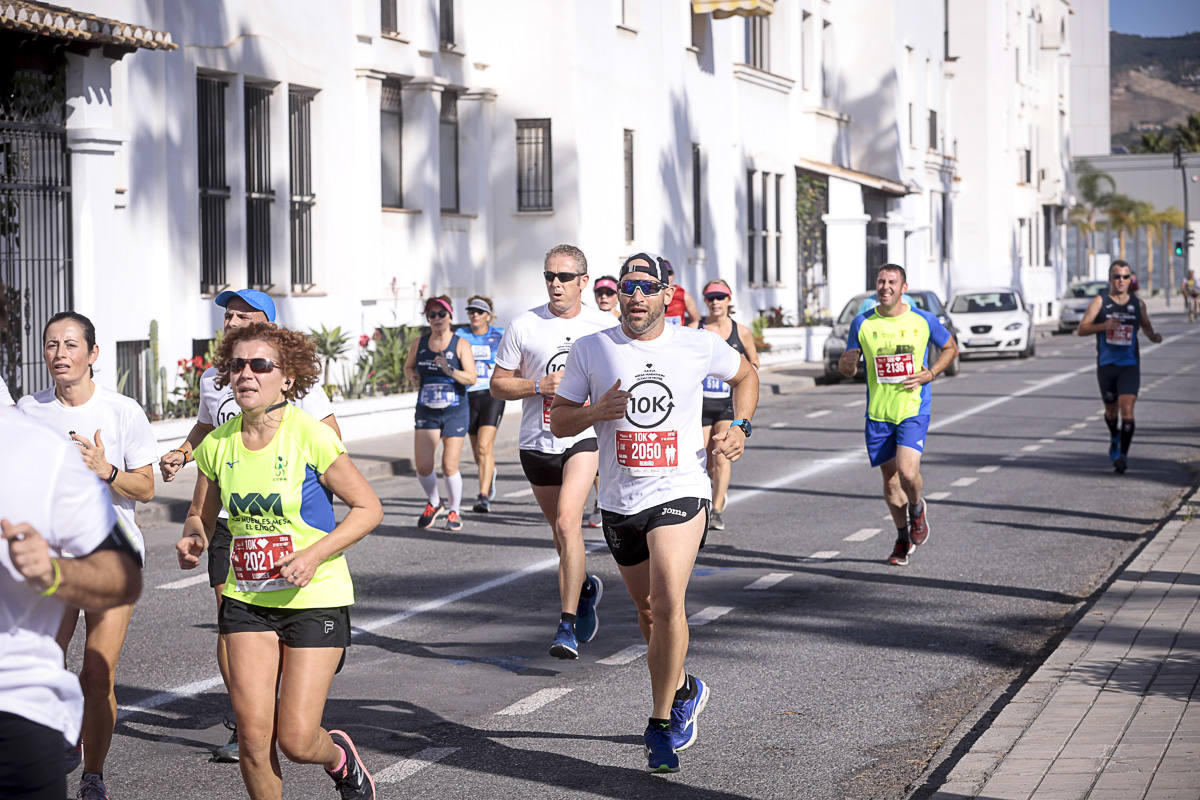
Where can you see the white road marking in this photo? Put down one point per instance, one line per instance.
(1065, 432)
(1031, 448)
(767, 581)
(707, 615)
(528, 490)
(1047, 441)
(990, 468)
(777, 425)
(1010, 458)
(815, 414)
(961, 482)
(863, 534)
(1080, 426)
(184, 583)
(535, 701)
(822, 555)
(407, 767)
(934, 496)
(624, 656)
(859, 402)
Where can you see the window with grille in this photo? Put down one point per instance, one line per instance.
(300, 186)
(391, 145)
(132, 366)
(629, 231)
(697, 197)
(1024, 165)
(826, 58)
(535, 173)
(751, 232)
(446, 21)
(778, 235)
(214, 191)
(807, 45)
(259, 194)
(758, 34)
(388, 18)
(933, 130)
(448, 150)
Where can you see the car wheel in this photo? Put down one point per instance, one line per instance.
(1029, 347)
(832, 376)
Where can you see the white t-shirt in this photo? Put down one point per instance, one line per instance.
(217, 406)
(654, 454)
(536, 343)
(124, 431)
(5, 397)
(43, 482)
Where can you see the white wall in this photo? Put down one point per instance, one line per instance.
(1087, 29)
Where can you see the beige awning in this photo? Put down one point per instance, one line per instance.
(59, 22)
(720, 9)
(863, 178)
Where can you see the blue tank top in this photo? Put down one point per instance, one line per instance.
(438, 390)
(1119, 347)
(483, 347)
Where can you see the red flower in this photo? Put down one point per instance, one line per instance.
(363, 340)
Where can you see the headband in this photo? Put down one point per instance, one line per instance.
(440, 302)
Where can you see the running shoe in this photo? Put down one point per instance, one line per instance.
(716, 522)
(483, 504)
(684, 713)
(228, 752)
(587, 622)
(565, 644)
(595, 520)
(918, 526)
(91, 787)
(899, 556)
(1119, 465)
(430, 514)
(74, 756)
(453, 521)
(660, 755)
(1114, 448)
(353, 782)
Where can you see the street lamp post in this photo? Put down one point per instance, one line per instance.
(1181, 163)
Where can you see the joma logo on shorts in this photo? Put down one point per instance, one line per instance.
(255, 504)
(674, 511)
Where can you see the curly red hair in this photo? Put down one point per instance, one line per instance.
(297, 355)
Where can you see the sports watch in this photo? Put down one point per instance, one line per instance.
(744, 424)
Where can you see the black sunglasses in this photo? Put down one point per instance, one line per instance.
(716, 296)
(437, 314)
(648, 286)
(563, 277)
(604, 293)
(1122, 277)
(473, 311)
(260, 366)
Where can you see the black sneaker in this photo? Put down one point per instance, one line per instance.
(1119, 465)
(483, 504)
(899, 556)
(353, 782)
(227, 753)
(430, 514)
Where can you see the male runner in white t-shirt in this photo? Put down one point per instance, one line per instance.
(529, 363)
(217, 407)
(645, 381)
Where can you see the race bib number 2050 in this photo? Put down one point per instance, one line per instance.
(647, 452)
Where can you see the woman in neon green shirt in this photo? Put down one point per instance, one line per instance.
(275, 469)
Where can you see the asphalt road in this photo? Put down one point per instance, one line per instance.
(833, 675)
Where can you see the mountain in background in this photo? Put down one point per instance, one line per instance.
(1155, 83)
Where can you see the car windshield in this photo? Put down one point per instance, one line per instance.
(983, 303)
(1086, 289)
(861, 303)
(850, 311)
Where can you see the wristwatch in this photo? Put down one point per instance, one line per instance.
(744, 424)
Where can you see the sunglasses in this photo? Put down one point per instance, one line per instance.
(648, 286)
(473, 311)
(716, 296)
(437, 315)
(1121, 277)
(604, 293)
(260, 366)
(563, 277)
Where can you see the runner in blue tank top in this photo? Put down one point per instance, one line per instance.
(1115, 317)
(440, 364)
(486, 410)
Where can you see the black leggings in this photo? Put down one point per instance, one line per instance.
(31, 760)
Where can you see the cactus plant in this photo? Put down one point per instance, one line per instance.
(152, 372)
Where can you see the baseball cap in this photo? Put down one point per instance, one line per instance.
(479, 304)
(654, 265)
(252, 297)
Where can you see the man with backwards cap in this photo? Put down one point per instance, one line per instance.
(560, 469)
(644, 379)
(217, 407)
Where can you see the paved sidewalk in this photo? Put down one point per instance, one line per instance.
(1114, 712)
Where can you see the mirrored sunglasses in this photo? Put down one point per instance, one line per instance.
(649, 286)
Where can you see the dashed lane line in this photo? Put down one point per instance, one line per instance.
(990, 468)
(823, 555)
(853, 403)
(407, 767)
(183, 583)
(962, 482)
(1031, 448)
(1065, 432)
(767, 581)
(1047, 441)
(1080, 426)
(624, 655)
(528, 490)
(863, 534)
(535, 701)
(707, 615)
(777, 425)
(936, 496)
(815, 414)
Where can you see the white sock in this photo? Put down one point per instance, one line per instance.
(429, 485)
(454, 490)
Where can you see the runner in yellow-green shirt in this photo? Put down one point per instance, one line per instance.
(893, 338)
(276, 469)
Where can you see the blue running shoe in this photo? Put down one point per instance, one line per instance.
(660, 755)
(1114, 449)
(587, 622)
(684, 713)
(565, 644)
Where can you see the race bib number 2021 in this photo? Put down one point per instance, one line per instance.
(255, 561)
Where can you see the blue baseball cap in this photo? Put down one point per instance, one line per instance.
(253, 298)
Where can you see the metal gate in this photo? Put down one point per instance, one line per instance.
(35, 220)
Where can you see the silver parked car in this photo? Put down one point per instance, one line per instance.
(1073, 304)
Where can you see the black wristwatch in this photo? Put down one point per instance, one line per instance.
(744, 424)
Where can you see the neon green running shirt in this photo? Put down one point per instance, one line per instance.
(894, 348)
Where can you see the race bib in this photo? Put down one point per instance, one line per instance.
(1120, 335)
(437, 395)
(546, 403)
(894, 368)
(483, 369)
(642, 453)
(674, 320)
(715, 387)
(255, 562)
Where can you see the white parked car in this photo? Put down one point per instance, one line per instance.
(992, 321)
(1073, 305)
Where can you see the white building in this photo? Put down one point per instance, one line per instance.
(1091, 83)
(353, 158)
(1011, 93)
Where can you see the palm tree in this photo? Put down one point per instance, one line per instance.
(1154, 142)
(1095, 187)
(331, 344)
(1188, 134)
(1125, 215)
(1153, 220)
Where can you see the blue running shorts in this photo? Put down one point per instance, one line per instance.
(884, 437)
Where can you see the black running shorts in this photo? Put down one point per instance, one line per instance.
(485, 410)
(31, 760)
(626, 533)
(546, 469)
(1118, 380)
(716, 409)
(296, 627)
(218, 553)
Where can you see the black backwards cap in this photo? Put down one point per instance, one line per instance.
(654, 265)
